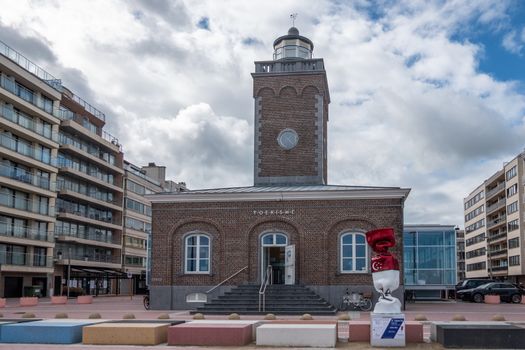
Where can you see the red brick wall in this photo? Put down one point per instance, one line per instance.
(288, 101)
(235, 230)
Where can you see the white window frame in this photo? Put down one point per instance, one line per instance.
(196, 298)
(353, 234)
(198, 258)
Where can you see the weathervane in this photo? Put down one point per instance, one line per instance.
(293, 16)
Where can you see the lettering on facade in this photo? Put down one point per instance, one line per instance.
(274, 212)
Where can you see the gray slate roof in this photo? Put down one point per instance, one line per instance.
(261, 189)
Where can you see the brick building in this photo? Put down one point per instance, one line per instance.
(291, 222)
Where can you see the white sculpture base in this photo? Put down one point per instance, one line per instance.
(387, 330)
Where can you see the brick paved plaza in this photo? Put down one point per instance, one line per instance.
(116, 307)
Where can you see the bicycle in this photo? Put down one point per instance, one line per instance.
(145, 301)
(356, 301)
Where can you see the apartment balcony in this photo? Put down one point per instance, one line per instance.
(16, 121)
(28, 178)
(27, 208)
(10, 143)
(73, 169)
(23, 262)
(104, 138)
(91, 157)
(18, 234)
(496, 206)
(89, 238)
(498, 237)
(69, 190)
(27, 95)
(491, 193)
(29, 66)
(135, 251)
(89, 260)
(502, 268)
(66, 212)
(497, 253)
(502, 220)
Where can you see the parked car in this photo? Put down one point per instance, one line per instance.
(472, 283)
(507, 292)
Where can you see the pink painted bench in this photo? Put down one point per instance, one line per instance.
(202, 334)
(84, 299)
(28, 301)
(58, 300)
(359, 331)
(2, 302)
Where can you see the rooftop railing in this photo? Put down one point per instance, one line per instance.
(22, 120)
(25, 204)
(26, 177)
(136, 172)
(25, 259)
(27, 150)
(88, 107)
(19, 231)
(65, 114)
(28, 95)
(301, 65)
(31, 67)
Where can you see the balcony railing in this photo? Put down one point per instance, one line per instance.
(499, 268)
(499, 204)
(29, 66)
(496, 237)
(27, 95)
(75, 211)
(19, 231)
(92, 236)
(308, 65)
(25, 259)
(17, 118)
(26, 177)
(102, 258)
(495, 190)
(498, 221)
(93, 172)
(62, 185)
(26, 150)
(497, 252)
(24, 204)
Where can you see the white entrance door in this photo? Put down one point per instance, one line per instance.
(289, 264)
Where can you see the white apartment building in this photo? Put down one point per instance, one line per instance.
(494, 229)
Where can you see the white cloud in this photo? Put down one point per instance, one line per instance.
(514, 41)
(409, 104)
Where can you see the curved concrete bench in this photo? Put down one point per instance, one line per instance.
(59, 300)
(28, 301)
(84, 299)
(304, 335)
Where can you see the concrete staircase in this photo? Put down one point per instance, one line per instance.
(280, 300)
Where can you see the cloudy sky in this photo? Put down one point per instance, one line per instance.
(428, 95)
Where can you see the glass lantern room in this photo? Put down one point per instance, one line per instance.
(292, 46)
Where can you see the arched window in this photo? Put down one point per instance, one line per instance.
(197, 249)
(354, 253)
(274, 240)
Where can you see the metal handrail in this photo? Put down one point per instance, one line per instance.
(227, 279)
(268, 279)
